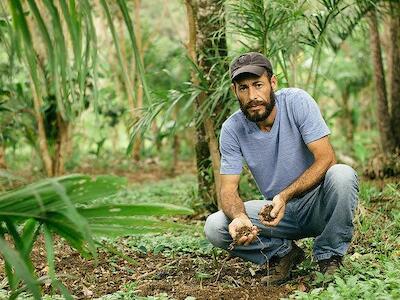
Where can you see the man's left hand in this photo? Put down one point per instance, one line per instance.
(279, 205)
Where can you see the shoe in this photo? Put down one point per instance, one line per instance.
(330, 265)
(281, 271)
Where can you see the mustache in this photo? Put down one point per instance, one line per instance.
(255, 103)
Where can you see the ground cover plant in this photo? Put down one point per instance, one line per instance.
(181, 264)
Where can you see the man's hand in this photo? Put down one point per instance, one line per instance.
(242, 223)
(278, 210)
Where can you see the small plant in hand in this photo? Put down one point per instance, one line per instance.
(243, 231)
(265, 214)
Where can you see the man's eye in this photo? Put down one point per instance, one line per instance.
(242, 88)
(259, 85)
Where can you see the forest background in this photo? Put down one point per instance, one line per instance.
(140, 89)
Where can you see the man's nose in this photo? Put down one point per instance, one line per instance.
(252, 93)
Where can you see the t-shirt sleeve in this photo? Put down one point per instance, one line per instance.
(308, 118)
(231, 155)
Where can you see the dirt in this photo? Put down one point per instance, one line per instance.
(243, 231)
(202, 277)
(265, 214)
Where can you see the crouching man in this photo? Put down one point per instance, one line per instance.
(283, 139)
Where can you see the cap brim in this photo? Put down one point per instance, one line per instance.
(256, 70)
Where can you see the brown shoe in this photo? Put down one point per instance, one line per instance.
(330, 265)
(281, 271)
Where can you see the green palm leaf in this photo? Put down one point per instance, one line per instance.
(64, 206)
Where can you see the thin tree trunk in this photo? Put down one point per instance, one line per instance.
(69, 143)
(42, 139)
(394, 70)
(197, 42)
(3, 164)
(139, 92)
(175, 157)
(175, 146)
(204, 181)
(385, 130)
(127, 82)
(61, 146)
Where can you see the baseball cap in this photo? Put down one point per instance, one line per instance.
(251, 62)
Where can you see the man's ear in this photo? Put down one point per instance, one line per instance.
(233, 88)
(274, 82)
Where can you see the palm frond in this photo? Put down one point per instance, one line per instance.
(63, 206)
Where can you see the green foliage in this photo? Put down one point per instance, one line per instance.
(178, 191)
(173, 244)
(371, 268)
(64, 206)
(369, 278)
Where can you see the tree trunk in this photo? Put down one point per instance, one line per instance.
(206, 187)
(129, 83)
(205, 183)
(61, 146)
(139, 87)
(175, 146)
(3, 164)
(384, 125)
(42, 138)
(206, 45)
(394, 70)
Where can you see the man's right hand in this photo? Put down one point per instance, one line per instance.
(242, 222)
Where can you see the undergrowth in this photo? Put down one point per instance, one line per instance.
(371, 267)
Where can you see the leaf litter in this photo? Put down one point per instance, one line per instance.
(182, 276)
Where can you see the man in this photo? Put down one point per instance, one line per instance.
(283, 139)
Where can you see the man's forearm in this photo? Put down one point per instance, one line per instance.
(232, 205)
(311, 177)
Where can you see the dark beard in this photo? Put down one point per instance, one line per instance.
(259, 117)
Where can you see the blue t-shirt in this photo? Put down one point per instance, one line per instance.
(278, 157)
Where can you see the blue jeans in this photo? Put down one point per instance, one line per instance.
(326, 213)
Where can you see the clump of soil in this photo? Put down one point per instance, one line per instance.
(265, 214)
(243, 231)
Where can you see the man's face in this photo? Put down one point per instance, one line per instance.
(256, 96)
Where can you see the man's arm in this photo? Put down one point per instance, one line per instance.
(233, 207)
(324, 158)
(232, 204)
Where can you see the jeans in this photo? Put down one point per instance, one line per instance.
(325, 212)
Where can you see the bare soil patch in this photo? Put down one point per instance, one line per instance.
(202, 277)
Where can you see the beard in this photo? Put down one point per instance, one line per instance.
(256, 116)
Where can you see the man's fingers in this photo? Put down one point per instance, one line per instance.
(249, 239)
(232, 231)
(275, 221)
(242, 240)
(274, 212)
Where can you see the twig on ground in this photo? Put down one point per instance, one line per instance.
(220, 270)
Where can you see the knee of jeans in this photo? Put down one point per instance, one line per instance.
(214, 229)
(342, 176)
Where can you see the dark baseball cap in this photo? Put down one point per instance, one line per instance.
(251, 62)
